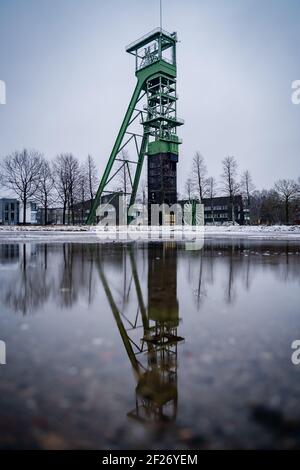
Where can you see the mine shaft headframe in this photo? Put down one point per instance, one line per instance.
(155, 62)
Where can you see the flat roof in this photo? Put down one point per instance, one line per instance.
(150, 37)
(10, 199)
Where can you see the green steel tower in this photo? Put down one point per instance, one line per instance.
(155, 63)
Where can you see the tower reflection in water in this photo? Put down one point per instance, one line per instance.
(153, 355)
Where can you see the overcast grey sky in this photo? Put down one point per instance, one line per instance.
(69, 79)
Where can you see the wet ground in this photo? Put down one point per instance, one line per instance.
(157, 345)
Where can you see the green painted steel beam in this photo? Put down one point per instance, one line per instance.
(117, 316)
(139, 293)
(114, 152)
(139, 169)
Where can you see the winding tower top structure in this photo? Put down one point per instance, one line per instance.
(156, 72)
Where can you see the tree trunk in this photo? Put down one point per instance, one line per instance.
(82, 205)
(72, 209)
(91, 189)
(200, 189)
(68, 211)
(287, 217)
(24, 211)
(212, 210)
(45, 210)
(64, 212)
(232, 206)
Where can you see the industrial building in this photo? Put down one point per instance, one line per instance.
(218, 210)
(9, 211)
(31, 213)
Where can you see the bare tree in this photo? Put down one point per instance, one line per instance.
(60, 173)
(288, 191)
(92, 177)
(199, 175)
(142, 193)
(66, 176)
(83, 189)
(20, 173)
(247, 186)
(212, 192)
(124, 180)
(271, 207)
(230, 185)
(189, 188)
(256, 205)
(266, 207)
(45, 194)
(73, 179)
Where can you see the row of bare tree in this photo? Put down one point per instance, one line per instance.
(66, 182)
(63, 181)
(274, 206)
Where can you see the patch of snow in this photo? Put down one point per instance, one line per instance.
(87, 234)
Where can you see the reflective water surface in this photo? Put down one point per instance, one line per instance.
(158, 345)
